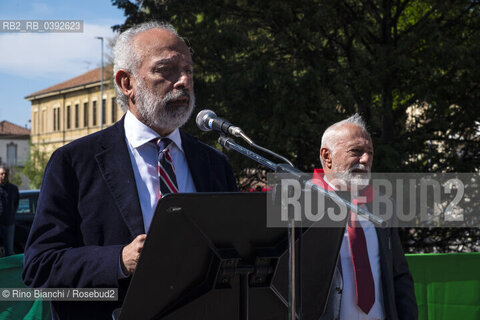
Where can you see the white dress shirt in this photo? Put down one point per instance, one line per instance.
(144, 157)
(349, 309)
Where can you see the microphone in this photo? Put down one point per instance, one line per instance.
(207, 120)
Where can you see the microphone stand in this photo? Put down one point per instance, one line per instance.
(228, 143)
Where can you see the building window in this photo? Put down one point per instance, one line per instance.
(35, 122)
(114, 110)
(94, 113)
(68, 117)
(85, 114)
(104, 102)
(43, 121)
(76, 116)
(11, 154)
(58, 118)
(54, 119)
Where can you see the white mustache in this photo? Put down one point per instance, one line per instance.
(359, 166)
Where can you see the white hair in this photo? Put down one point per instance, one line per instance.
(127, 58)
(330, 136)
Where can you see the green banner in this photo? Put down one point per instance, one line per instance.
(11, 277)
(447, 286)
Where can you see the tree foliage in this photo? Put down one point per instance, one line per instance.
(35, 166)
(286, 70)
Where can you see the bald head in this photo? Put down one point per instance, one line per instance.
(346, 148)
(330, 136)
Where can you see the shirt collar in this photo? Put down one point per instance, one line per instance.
(138, 133)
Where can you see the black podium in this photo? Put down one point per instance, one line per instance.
(211, 256)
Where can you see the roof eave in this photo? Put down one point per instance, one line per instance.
(65, 90)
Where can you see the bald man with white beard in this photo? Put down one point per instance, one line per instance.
(386, 289)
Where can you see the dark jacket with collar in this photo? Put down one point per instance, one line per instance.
(89, 209)
(397, 283)
(9, 199)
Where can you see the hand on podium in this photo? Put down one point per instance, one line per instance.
(131, 254)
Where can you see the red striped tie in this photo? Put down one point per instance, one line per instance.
(166, 171)
(364, 284)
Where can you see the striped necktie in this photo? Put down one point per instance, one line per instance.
(166, 171)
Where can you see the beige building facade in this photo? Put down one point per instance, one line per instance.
(14, 147)
(72, 109)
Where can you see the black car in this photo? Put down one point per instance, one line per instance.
(24, 218)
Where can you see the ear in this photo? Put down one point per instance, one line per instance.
(124, 81)
(326, 157)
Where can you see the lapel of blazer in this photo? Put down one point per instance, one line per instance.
(114, 163)
(198, 162)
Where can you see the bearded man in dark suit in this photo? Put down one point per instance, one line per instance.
(372, 280)
(99, 192)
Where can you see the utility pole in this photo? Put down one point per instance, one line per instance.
(102, 111)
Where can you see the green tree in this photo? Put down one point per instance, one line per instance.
(285, 70)
(15, 176)
(35, 166)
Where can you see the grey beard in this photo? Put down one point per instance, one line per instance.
(349, 179)
(156, 114)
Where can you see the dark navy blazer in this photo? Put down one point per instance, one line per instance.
(88, 210)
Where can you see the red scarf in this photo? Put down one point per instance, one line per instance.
(366, 193)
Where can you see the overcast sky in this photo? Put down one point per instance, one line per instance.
(34, 61)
